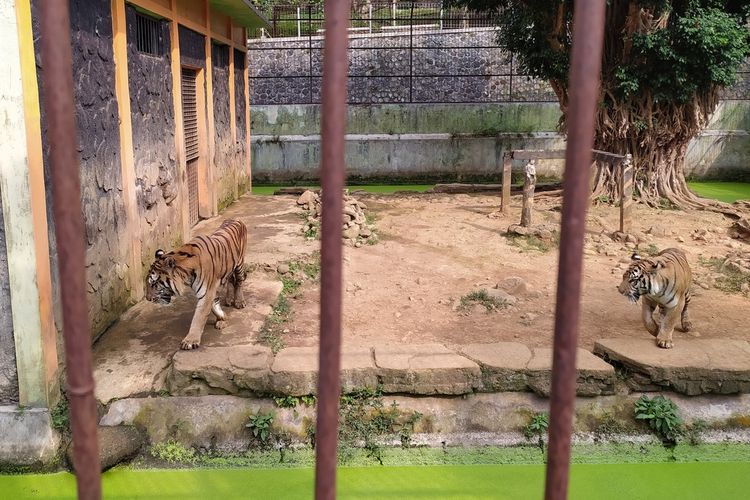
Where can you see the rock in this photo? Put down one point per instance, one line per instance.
(116, 445)
(514, 285)
(529, 317)
(306, 198)
(519, 230)
(631, 239)
(357, 244)
(594, 376)
(544, 234)
(282, 269)
(681, 239)
(745, 287)
(659, 231)
(503, 364)
(501, 296)
(351, 233)
(365, 232)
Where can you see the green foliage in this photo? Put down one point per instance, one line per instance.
(537, 427)
(701, 44)
(294, 401)
(651, 250)
(60, 416)
(694, 432)
(662, 416)
(481, 297)
(173, 452)
(260, 425)
(365, 422)
(533, 243)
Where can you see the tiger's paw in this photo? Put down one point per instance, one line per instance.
(220, 324)
(687, 326)
(664, 343)
(239, 303)
(189, 343)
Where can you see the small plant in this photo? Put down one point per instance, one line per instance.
(694, 431)
(530, 242)
(730, 280)
(481, 297)
(537, 427)
(270, 332)
(287, 401)
(662, 416)
(651, 250)
(260, 425)
(308, 400)
(60, 416)
(173, 452)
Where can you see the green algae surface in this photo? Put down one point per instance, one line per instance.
(370, 188)
(728, 192)
(611, 471)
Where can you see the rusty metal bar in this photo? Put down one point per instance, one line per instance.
(333, 128)
(61, 130)
(583, 85)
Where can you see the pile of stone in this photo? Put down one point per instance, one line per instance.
(738, 261)
(356, 229)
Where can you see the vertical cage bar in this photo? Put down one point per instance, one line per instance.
(63, 141)
(333, 125)
(583, 85)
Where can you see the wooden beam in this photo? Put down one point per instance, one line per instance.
(179, 132)
(24, 212)
(542, 154)
(232, 110)
(127, 163)
(507, 164)
(211, 166)
(626, 195)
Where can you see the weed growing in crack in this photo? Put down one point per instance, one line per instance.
(481, 297)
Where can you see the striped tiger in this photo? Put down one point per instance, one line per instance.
(204, 264)
(663, 281)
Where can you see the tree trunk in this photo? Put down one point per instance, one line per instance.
(657, 135)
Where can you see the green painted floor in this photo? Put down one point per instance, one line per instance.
(658, 481)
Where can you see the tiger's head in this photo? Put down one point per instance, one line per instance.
(161, 282)
(636, 280)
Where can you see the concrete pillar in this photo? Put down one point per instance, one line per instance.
(24, 210)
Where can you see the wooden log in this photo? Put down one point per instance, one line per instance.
(626, 195)
(529, 183)
(507, 164)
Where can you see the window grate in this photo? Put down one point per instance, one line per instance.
(148, 35)
(219, 55)
(190, 114)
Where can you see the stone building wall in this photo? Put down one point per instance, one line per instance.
(8, 375)
(224, 158)
(155, 158)
(97, 119)
(240, 147)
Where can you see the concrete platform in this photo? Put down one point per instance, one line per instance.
(692, 367)
(510, 366)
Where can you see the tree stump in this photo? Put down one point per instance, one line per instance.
(529, 183)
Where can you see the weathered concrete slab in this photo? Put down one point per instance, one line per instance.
(503, 364)
(212, 370)
(27, 437)
(425, 369)
(116, 445)
(595, 377)
(204, 422)
(295, 370)
(692, 367)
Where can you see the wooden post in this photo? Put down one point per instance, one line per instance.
(626, 194)
(529, 183)
(507, 162)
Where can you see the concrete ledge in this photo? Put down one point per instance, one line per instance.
(27, 438)
(221, 369)
(425, 369)
(692, 367)
(295, 370)
(510, 366)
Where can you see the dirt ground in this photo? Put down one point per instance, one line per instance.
(436, 248)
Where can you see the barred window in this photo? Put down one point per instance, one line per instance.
(220, 55)
(148, 35)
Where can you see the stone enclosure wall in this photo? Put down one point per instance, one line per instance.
(153, 124)
(438, 66)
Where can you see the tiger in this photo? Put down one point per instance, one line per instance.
(663, 281)
(204, 264)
